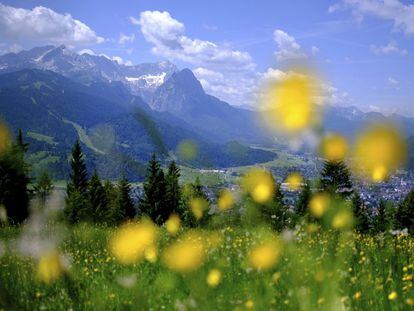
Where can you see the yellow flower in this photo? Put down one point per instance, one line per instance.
(392, 296)
(130, 242)
(334, 147)
(264, 256)
(49, 267)
(294, 181)
(198, 206)
(342, 220)
(225, 200)
(173, 224)
(4, 137)
(187, 150)
(379, 150)
(249, 304)
(357, 295)
(319, 204)
(289, 104)
(409, 301)
(187, 254)
(259, 184)
(150, 254)
(214, 277)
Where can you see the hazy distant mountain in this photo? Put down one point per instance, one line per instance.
(140, 79)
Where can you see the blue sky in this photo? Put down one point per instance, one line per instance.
(363, 50)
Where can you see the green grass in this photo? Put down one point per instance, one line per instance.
(208, 178)
(316, 271)
(83, 136)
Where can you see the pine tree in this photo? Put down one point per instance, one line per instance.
(97, 199)
(77, 201)
(383, 219)
(301, 207)
(125, 204)
(404, 216)
(152, 203)
(115, 215)
(362, 223)
(336, 178)
(172, 189)
(43, 187)
(14, 181)
(20, 143)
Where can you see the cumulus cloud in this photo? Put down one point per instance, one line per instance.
(390, 48)
(288, 48)
(168, 37)
(123, 39)
(43, 25)
(402, 15)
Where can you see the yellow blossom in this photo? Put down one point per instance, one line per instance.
(198, 206)
(187, 150)
(249, 304)
(392, 296)
(357, 295)
(173, 224)
(225, 200)
(342, 220)
(130, 242)
(265, 255)
(319, 204)
(187, 254)
(214, 278)
(294, 181)
(49, 267)
(4, 137)
(379, 150)
(259, 184)
(334, 147)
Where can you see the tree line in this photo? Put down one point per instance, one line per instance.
(89, 199)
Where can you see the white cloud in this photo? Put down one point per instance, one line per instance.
(392, 81)
(117, 59)
(126, 39)
(288, 48)
(391, 47)
(314, 50)
(121, 61)
(43, 25)
(86, 51)
(224, 72)
(402, 15)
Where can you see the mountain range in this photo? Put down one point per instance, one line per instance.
(122, 114)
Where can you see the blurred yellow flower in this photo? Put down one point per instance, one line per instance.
(249, 304)
(259, 184)
(173, 224)
(130, 242)
(198, 206)
(379, 150)
(294, 181)
(343, 219)
(4, 137)
(319, 204)
(334, 147)
(150, 254)
(225, 200)
(214, 278)
(357, 295)
(49, 267)
(289, 104)
(187, 150)
(185, 255)
(265, 255)
(392, 296)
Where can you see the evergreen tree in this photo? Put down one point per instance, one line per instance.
(97, 199)
(115, 215)
(172, 189)
(336, 178)
(383, 220)
(125, 204)
(404, 216)
(152, 203)
(77, 201)
(360, 214)
(14, 181)
(20, 143)
(79, 174)
(301, 207)
(43, 187)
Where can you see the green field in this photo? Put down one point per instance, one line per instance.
(316, 270)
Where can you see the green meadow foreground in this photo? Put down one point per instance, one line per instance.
(307, 269)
